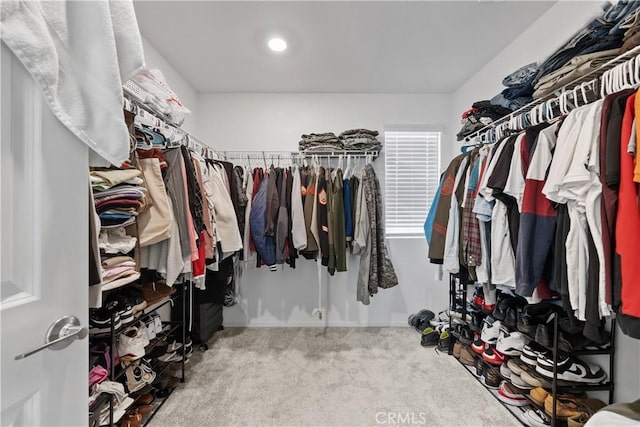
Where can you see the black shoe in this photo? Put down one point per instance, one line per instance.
(511, 318)
(420, 320)
(477, 318)
(535, 314)
(500, 310)
(100, 319)
(430, 337)
(479, 365)
(491, 377)
(444, 341)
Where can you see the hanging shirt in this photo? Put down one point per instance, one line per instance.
(297, 212)
(628, 219)
(537, 218)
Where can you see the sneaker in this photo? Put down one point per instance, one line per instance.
(121, 305)
(135, 298)
(545, 359)
(479, 367)
(100, 320)
(440, 318)
(466, 356)
(429, 337)
(574, 369)
(513, 400)
(464, 334)
(517, 381)
(506, 302)
(443, 342)
(420, 320)
(477, 318)
(138, 376)
(132, 342)
(456, 349)
(569, 407)
(505, 371)
(457, 314)
(538, 395)
(490, 330)
(516, 366)
(491, 378)
(171, 357)
(507, 391)
(535, 379)
(511, 343)
(478, 298)
(530, 353)
(511, 317)
(536, 418)
(493, 356)
(478, 346)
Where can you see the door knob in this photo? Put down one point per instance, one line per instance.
(60, 335)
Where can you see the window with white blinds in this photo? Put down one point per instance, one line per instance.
(412, 173)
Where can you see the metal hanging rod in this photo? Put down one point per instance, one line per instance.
(131, 104)
(260, 155)
(549, 104)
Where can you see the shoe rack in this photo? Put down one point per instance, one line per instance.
(171, 327)
(458, 285)
(608, 386)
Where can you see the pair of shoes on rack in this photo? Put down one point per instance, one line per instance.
(572, 407)
(569, 368)
(134, 417)
(463, 333)
(138, 374)
(491, 377)
(511, 343)
(511, 395)
(155, 292)
(493, 356)
(100, 319)
(132, 342)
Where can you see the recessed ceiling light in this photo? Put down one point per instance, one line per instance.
(277, 44)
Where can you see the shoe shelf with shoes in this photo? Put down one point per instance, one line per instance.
(529, 355)
(136, 358)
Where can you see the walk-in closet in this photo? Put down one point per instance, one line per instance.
(319, 213)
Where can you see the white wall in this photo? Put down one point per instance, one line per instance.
(275, 122)
(176, 82)
(536, 43)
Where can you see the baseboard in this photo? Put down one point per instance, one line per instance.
(312, 324)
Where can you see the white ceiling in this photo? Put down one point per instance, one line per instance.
(341, 46)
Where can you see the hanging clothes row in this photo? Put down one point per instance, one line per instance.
(320, 213)
(189, 213)
(551, 212)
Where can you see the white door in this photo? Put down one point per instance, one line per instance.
(43, 257)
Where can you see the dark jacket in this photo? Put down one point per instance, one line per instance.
(265, 245)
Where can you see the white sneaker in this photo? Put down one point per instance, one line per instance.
(511, 343)
(490, 331)
(132, 341)
(138, 376)
(170, 357)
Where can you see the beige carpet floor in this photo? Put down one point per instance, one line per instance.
(327, 377)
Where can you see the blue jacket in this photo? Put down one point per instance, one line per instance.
(265, 245)
(428, 223)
